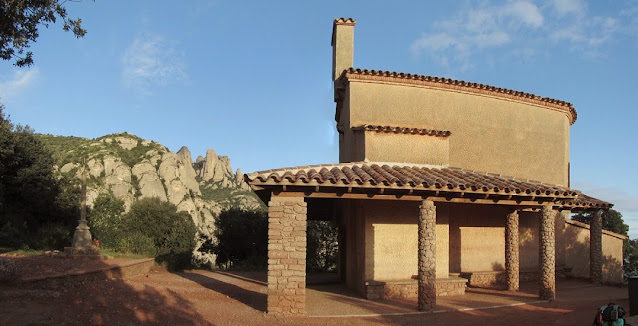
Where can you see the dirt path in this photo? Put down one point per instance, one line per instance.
(217, 298)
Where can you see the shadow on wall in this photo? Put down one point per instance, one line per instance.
(94, 300)
(575, 251)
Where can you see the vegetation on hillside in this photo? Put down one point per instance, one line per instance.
(76, 149)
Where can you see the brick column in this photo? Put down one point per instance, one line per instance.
(596, 247)
(427, 256)
(547, 254)
(511, 251)
(287, 256)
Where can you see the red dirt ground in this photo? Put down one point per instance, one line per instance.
(220, 298)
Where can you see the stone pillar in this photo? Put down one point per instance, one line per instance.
(547, 254)
(596, 247)
(512, 261)
(287, 256)
(427, 256)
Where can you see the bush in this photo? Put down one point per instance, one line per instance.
(136, 243)
(172, 233)
(242, 236)
(52, 236)
(105, 219)
(323, 247)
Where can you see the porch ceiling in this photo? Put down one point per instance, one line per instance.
(416, 182)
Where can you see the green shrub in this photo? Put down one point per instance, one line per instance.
(136, 243)
(172, 233)
(242, 236)
(322, 246)
(105, 219)
(52, 236)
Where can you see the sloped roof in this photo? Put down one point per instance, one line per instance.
(418, 179)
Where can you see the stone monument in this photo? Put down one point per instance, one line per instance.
(82, 239)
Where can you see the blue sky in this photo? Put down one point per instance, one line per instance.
(252, 79)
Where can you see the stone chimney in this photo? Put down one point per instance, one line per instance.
(342, 45)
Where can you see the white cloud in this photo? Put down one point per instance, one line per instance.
(20, 80)
(478, 29)
(527, 12)
(565, 7)
(152, 61)
(475, 29)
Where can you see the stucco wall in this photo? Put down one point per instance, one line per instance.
(477, 238)
(391, 240)
(577, 252)
(492, 134)
(406, 148)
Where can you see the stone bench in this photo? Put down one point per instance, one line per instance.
(451, 286)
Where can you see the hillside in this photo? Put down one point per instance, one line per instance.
(133, 168)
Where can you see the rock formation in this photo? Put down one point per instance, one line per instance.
(132, 168)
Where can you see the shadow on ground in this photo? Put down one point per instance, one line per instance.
(95, 299)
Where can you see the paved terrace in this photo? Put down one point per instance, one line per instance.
(221, 298)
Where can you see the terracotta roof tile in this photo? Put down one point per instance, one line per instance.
(396, 175)
(421, 177)
(583, 201)
(415, 78)
(404, 130)
(344, 21)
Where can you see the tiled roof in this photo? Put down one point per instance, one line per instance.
(584, 201)
(407, 176)
(344, 21)
(565, 106)
(404, 130)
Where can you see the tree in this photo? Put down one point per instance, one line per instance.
(32, 200)
(242, 237)
(612, 221)
(105, 219)
(19, 23)
(172, 233)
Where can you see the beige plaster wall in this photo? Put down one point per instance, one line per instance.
(528, 240)
(342, 49)
(492, 134)
(477, 238)
(391, 240)
(405, 148)
(577, 253)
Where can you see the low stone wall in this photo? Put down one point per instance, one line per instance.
(409, 288)
(498, 279)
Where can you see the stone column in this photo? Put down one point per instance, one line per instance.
(287, 256)
(596, 247)
(547, 254)
(511, 251)
(427, 256)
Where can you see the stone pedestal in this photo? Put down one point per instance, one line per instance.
(512, 251)
(287, 256)
(596, 248)
(427, 256)
(547, 254)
